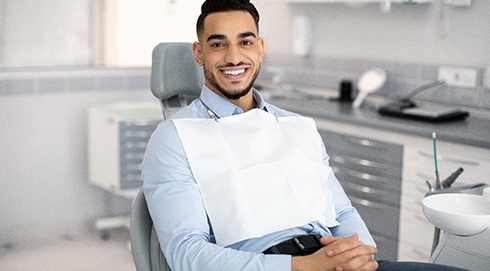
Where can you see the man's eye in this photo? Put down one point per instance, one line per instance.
(217, 44)
(247, 42)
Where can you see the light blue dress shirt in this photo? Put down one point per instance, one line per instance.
(179, 216)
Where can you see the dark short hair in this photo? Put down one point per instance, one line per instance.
(213, 6)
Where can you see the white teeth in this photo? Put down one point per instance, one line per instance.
(237, 72)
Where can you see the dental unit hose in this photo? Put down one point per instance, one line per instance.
(438, 181)
(450, 180)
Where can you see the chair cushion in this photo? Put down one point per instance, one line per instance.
(174, 71)
(157, 259)
(140, 231)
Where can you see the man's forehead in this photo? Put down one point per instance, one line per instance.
(229, 23)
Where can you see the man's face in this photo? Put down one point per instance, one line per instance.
(230, 51)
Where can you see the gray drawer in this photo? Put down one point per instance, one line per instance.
(370, 172)
(362, 148)
(134, 136)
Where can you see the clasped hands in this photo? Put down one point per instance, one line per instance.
(338, 254)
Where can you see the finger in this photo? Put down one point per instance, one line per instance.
(360, 262)
(356, 257)
(338, 246)
(325, 240)
(329, 239)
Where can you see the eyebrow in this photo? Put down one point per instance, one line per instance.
(216, 37)
(222, 36)
(246, 35)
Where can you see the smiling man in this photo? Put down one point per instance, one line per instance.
(235, 183)
(230, 51)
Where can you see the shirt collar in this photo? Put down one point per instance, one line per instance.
(223, 108)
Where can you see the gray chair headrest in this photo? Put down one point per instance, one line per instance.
(174, 71)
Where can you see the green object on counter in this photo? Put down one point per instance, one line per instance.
(438, 181)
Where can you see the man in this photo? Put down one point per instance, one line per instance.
(234, 183)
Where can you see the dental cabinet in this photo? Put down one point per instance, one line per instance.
(364, 146)
(396, 166)
(370, 172)
(117, 138)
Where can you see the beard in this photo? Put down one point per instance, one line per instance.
(234, 94)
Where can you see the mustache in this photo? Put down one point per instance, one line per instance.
(231, 65)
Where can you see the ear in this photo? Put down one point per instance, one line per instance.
(261, 48)
(197, 52)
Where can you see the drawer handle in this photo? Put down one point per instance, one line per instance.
(137, 134)
(361, 141)
(133, 166)
(143, 123)
(135, 145)
(133, 177)
(366, 189)
(359, 162)
(132, 156)
(367, 203)
(368, 178)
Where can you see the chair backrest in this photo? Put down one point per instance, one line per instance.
(174, 77)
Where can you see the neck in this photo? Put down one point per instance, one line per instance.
(246, 102)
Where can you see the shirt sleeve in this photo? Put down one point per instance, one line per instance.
(350, 221)
(179, 217)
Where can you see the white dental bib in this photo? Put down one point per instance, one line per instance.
(258, 174)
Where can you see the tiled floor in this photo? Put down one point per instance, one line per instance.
(80, 253)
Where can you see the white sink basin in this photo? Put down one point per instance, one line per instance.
(459, 214)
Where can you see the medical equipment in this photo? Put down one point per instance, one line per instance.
(469, 252)
(117, 137)
(462, 245)
(407, 108)
(465, 218)
(371, 81)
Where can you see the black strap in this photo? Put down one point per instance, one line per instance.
(297, 246)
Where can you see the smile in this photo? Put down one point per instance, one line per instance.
(235, 72)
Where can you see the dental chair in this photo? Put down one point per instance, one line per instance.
(175, 79)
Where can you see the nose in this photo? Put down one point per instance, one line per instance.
(233, 55)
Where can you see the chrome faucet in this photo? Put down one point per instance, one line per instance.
(446, 183)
